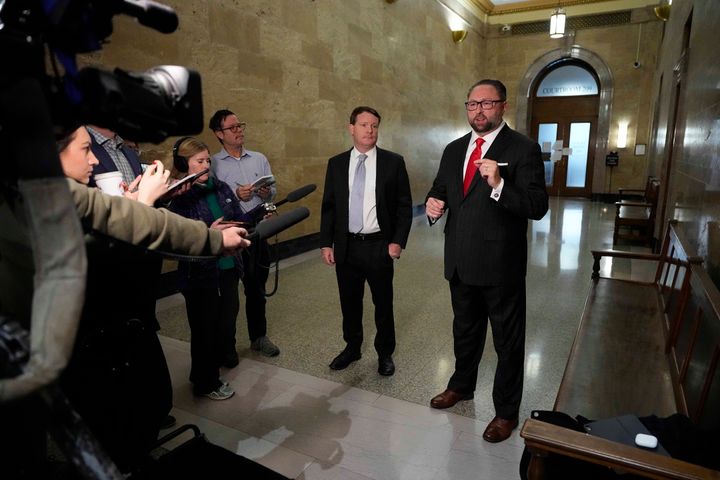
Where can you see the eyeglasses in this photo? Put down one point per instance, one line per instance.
(485, 104)
(238, 127)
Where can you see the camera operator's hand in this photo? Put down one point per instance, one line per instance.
(244, 192)
(153, 184)
(233, 237)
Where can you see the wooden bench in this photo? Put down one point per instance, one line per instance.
(635, 219)
(641, 348)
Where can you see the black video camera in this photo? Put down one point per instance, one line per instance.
(141, 106)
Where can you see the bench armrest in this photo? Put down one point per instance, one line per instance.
(637, 190)
(542, 438)
(598, 254)
(626, 203)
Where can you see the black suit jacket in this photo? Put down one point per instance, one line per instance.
(485, 239)
(392, 196)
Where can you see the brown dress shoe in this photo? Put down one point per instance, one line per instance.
(499, 429)
(449, 398)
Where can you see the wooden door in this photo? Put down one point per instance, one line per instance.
(566, 128)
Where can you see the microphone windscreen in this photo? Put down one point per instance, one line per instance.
(301, 192)
(272, 226)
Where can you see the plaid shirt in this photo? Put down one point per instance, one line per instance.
(112, 147)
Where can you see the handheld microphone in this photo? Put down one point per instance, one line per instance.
(296, 195)
(263, 209)
(272, 226)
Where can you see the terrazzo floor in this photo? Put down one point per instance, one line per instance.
(295, 415)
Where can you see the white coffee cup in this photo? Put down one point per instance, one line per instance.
(109, 182)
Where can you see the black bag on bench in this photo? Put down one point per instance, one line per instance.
(560, 466)
(680, 437)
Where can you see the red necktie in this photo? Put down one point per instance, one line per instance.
(471, 168)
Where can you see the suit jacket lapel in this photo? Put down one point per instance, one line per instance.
(342, 188)
(502, 141)
(459, 169)
(381, 174)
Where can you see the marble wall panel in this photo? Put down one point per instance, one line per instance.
(234, 28)
(295, 68)
(694, 196)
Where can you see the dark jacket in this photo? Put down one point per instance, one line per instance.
(392, 196)
(192, 204)
(106, 162)
(486, 240)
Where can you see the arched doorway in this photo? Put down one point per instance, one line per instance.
(605, 79)
(564, 122)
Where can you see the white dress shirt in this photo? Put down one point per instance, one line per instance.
(370, 222)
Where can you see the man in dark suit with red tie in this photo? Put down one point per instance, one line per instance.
(366, 217)
(490, 182)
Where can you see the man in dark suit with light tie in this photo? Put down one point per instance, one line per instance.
(366, 217)
(490, 182)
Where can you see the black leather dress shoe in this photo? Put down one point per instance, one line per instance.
(345, 358)
(386, 367)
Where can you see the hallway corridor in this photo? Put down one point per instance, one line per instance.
(298, 417)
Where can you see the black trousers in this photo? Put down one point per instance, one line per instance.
(256, 263)
(367, 260)
(229, 309)
(504, 306)
(212, 313)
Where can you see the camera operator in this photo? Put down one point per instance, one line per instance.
(210, 287)
(239, 168)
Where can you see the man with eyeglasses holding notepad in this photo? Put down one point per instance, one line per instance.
(490, 182)
(241, 169)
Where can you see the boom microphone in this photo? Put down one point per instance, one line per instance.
(272, 226)
(151, 14)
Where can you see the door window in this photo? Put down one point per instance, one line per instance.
(547, 135)
(567, 81)
(578, 156)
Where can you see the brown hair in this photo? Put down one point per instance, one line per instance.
(362, 109)
(184, 149)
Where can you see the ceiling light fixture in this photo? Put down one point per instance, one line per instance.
(557, 23)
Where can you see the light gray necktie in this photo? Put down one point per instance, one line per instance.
(355, 223)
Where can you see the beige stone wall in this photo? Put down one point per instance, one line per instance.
(688, 144)
(510, 57)
(294, 69)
